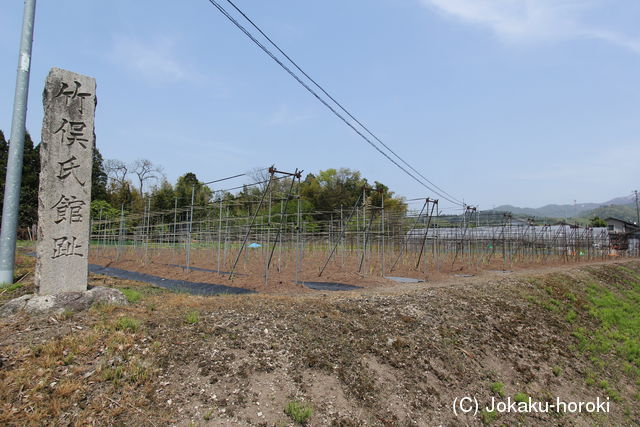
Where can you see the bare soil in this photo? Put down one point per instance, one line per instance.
(342, 268)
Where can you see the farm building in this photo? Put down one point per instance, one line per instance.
(618, 226)
(623, 235)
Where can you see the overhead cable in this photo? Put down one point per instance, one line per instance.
(222, 10)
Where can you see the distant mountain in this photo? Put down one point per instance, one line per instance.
(552, 211)
(626, 200)
(581, 210)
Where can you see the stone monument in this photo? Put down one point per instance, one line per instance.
(64, 197)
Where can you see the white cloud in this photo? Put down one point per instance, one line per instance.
(154, 60)
(530, 21)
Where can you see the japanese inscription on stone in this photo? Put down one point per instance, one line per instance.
(64, 197)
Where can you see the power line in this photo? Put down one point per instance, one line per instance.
(222, 10)
(335, 101)
(225, 179)
(251, 185)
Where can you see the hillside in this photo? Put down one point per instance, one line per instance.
(550, 211)
(580, 210)
(398, 355)
(624, 212)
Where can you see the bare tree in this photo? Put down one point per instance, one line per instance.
(260, 175)
(117, 171)
(145, 170)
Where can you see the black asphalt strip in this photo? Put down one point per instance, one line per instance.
(194, 288)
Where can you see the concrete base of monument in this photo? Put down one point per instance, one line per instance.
(59, 303)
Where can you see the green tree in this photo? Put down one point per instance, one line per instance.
(184, 186)
(98, 177)
(597, 222)
(163, 197)
(333, 188)
(122, 195)
(101, 210)
(28, 210)
(391, 203)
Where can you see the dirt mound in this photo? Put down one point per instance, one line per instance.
(346, 359)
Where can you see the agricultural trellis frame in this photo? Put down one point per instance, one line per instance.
(271, 234)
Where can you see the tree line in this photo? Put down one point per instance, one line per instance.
(133, 187)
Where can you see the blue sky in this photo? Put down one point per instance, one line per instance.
(525, 102)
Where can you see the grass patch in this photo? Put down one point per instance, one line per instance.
(192, 317)
(127, 324)
(498, 388)
(298, 411)
(521, 397)
(618, 314)
(552, 305)
(488, 416)
(132, 295)
(66, 314)
(11, 288)
(604, 317)
(132, 372)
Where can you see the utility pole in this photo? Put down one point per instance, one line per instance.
(14, 162)
(637, 209)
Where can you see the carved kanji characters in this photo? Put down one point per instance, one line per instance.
(64, 247)
(75, 131)
(72, 94)
(66, 169)
(68, 209)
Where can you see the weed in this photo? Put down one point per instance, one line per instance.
(591, 380)
(192, 317)
(137, 372)
(127, 324)
(103, 308)
(11, 288)
(557, 370)
(614, 395)
(552, 305)
(488, 416)
(114, 374)
(521, 397)
(571, 316)
(207, 416)
(498, 388)
(132, 295)
(133, 372)
(298, 411)
(68, 359)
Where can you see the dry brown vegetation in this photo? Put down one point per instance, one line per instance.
(396, 355)
(344, 266)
